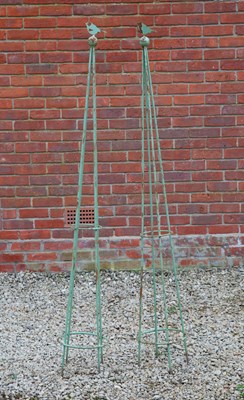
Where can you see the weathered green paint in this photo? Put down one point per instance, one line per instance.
(91, 81)
(153, 231)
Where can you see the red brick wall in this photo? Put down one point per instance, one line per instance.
(196, 55)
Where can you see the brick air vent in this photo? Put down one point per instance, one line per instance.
(86, 216)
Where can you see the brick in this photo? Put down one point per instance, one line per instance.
(191, 230)
(17, 224)
(49, 223)
(42, 256)
(234, 153)
(186, 31)
(206, 219)
(241, 99)
(31, 191)
(235, 18)
(23, 11)
(3, 58)
(173, 111)
(207, 176)
(40, 46)
(23, 34)
(240, 6)
(172, 89)
(40, 22)
(26, 81)
(119, 32)
(220, 76)
(5, 235)
(5, 125)
(3, 11)
(221, 186)
(187, 100)
(9, 214)
(239, 30)
(5, 104)
(56, 10)
(25, 246)
(220, 99)
(223, 143)
(57, 81)
(28, 125)
(202, 19)
(171, 20)
(56, 57)
(231, 41)
(7, 147)
(154, 9)
(168, 43)
(233, 109)
(13, 114)
(11, 46)
(14, 92)
(189, 165)
(58, 245)
(193, 209)
(204, 88)
(187, 144)
(45, 180)
(219, 121)
(224, 229)
(202, 42)
(61, 103)
(59, 124)
(43, 92)
(187, 8)
(188, 77)
(187, 121)
(171, 66)
(240, 120)
(45, 114)
(120, 56)
(204, 110)
(111, 113)
(31, 169)
(215, 7)
(233, 64)
(222, 165)
(14, 202)
(9, 23)
(206, 154)
(234, 219)
(203, 65)
(89, 9)
(221, 30)
(240, 53)
(214, 54)
(234, 175)
(29, 103)
(190, 187)
(75, 21)
(9, 257)
(3, 34)
(186, 54)
(23, 58)
(121, 9)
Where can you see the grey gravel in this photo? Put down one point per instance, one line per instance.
(32, 318)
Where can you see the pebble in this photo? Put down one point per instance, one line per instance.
(32, 318)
